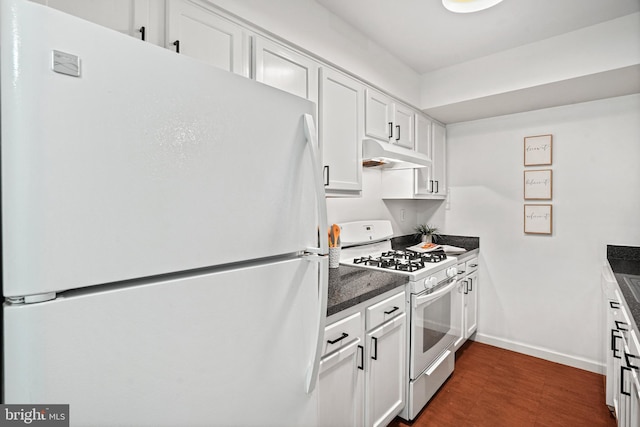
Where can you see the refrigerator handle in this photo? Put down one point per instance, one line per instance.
(312, 140)
(323, 285)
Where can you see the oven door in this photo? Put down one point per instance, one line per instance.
(436, 323)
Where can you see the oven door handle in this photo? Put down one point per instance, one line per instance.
(419, 300)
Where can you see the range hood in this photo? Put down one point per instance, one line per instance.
(391, 156)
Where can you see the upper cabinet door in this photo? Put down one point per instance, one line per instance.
(341, 128)
(423, 142)
(136, 18)
(379, 120)
(201, 34)
(403, 126)
(439, 140)
(280, 67)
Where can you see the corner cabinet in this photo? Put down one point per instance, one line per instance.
(363, 374)
(285, 69)
(341, 127)
(197, 32)
(421, 183)
(439, 160)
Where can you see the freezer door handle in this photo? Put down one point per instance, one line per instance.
(323, 289)
(312, 140)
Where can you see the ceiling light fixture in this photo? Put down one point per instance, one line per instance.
(467, 6)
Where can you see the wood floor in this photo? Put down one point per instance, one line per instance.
(494, 387)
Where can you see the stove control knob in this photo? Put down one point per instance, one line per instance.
(452, 272)
(430, 282)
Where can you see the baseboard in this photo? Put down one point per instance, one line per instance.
(542, 353)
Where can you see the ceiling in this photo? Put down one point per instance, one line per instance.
(425, 36)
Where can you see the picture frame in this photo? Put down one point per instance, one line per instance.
(538, 150)
(538, 219)
(538, 184)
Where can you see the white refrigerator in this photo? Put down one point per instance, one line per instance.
(161, 219)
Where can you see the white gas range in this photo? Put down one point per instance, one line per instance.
(368, 244)
(435, 314)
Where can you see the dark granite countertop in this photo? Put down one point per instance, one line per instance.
(466, 242)
(349, 286)
(625, 263)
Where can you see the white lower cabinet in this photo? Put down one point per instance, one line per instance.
(622, 356)
(342, 374)
(362, 379)
(470, 323)
(468, 296)
(386, 374)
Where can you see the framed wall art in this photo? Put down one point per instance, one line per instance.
(538, 184)
(538, 219)
(537, 150)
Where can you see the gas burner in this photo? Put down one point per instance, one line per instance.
(435, 256)
(368, 260)
(407, 261)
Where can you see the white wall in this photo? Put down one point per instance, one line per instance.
(599, 48)
(312, 27)
(541, 294)
(401, 213)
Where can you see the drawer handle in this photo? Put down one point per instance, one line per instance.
(622, 390)
(374, 353)
(632, 356)
(143, 32)
(614, 347)
(392, 310)
(614, 304)
(621, 328)
(344, 335)
(473, 265)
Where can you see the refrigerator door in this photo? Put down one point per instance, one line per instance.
(148, 162)
(219, 349)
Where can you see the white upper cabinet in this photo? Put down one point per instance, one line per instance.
(197, 32)
(137, 18)
(403, 126)
(389, 120)
(341, 127)
(423, 185)
(439, 178)
(379, 112)
(283, 68)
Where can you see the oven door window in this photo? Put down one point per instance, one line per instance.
(436, 322)
(435, 327)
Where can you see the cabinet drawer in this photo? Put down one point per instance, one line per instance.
(341, 333)
(471, 265)
(385, 310)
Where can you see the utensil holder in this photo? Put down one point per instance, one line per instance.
(334, 257)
